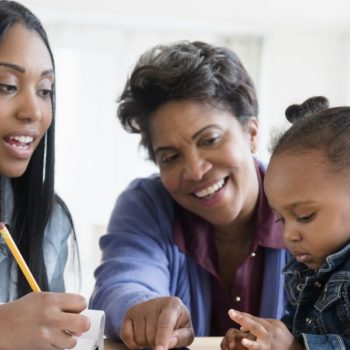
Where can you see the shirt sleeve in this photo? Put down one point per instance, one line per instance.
(136, 253)
(287, 319)
(325, 342)
(57, 234)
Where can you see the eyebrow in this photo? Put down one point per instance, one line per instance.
(22, 70)
(194, 136)
(294, 205)
(303, 202)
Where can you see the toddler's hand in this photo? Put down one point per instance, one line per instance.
(232, 339)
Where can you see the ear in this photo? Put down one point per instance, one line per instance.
(252, 128)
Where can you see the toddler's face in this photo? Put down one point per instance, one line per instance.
(312, 202)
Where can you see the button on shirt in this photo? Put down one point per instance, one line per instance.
(247, 282)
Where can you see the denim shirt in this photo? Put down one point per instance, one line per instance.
(318, 310)
(56, 238)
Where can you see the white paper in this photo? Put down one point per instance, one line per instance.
(94, 337)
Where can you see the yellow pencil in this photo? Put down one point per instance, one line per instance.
(18, 257)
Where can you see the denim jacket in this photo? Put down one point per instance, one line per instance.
(318, 310)
(56, 237)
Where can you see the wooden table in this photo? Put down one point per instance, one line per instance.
(200, 343)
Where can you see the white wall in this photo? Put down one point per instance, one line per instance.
(296, 66)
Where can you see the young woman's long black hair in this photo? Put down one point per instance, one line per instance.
(34, 191)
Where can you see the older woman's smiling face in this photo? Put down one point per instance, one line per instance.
(205, 159)
(26, 78)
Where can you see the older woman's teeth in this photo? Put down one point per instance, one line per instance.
(210, 190)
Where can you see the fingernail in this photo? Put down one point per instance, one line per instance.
(173, 342)
(233, 312)
(245, 341)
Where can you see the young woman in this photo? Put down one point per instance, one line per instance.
(202, 228)
(38, 220)
(307, 184)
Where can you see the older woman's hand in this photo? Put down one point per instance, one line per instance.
(161, 323)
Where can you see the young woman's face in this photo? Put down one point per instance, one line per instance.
(205, 160)
(312, 203)
(26, 78)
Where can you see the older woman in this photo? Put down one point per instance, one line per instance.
(184, 246)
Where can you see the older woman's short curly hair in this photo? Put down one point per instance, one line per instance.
(185, 71)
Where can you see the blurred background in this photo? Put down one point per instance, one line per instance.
(292, 49)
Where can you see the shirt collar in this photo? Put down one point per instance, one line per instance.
(268, 231)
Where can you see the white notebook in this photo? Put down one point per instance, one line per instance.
(94, 337)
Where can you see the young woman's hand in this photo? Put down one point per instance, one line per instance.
(233, 339)
(270, 334)
(42, 321)
(161, 323)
